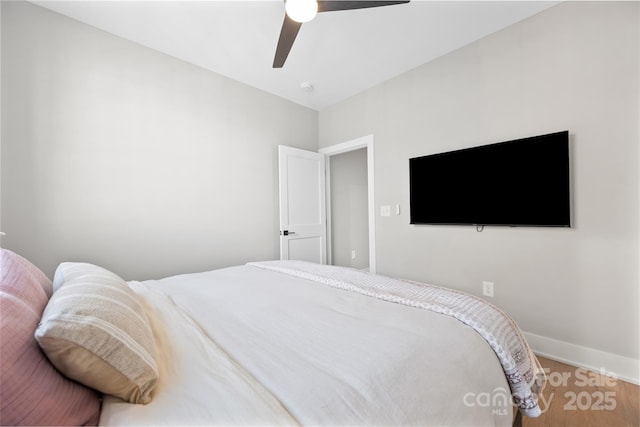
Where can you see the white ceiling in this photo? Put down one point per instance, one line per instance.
(339, 53)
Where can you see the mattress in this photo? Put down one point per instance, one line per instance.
(252, 346)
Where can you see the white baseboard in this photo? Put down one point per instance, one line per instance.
(623, 368)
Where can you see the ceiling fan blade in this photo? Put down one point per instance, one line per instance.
(332, 5)
(288, 35)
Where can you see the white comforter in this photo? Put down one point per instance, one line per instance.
(248, 346)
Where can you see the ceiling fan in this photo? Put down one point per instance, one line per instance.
(300, 11)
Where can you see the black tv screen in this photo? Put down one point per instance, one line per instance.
(523, 182)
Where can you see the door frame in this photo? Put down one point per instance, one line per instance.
(344, 147)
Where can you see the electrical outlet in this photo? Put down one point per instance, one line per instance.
(353, 254)
(487, 289)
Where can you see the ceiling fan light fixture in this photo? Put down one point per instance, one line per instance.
(301, 10)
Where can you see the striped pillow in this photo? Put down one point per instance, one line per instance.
(95, 331)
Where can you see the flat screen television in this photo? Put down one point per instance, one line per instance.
(524, 182)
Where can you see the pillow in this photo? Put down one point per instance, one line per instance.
(68, 271)
(95, 331)
(32, 391)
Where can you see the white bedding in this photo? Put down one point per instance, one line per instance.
(247, 346)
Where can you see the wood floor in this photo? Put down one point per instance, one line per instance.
(581, 398)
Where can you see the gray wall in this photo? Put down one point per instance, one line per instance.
(116, 154)
(349, 209)
(575, 67)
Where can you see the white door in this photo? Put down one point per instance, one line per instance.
(303, 228)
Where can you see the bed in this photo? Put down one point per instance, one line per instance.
(267, 343)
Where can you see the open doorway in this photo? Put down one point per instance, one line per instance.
(350, 204)
(349, 217)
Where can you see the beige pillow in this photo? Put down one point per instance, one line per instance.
(95, 331)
